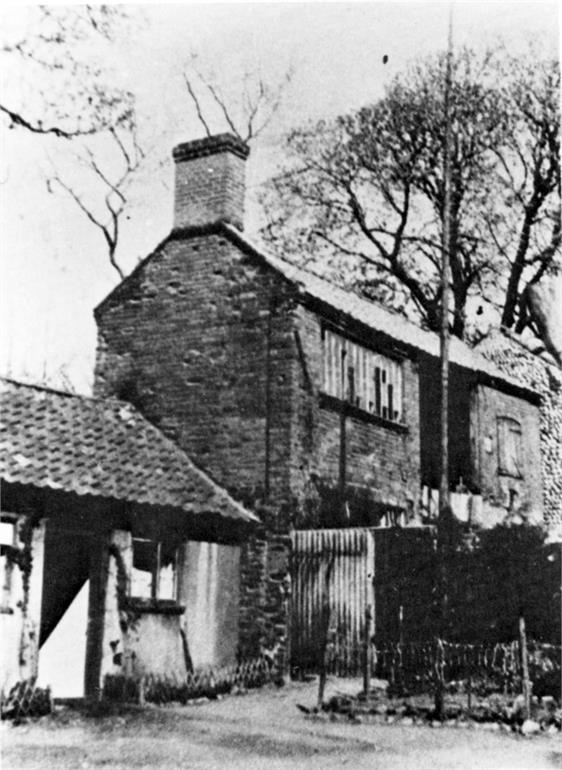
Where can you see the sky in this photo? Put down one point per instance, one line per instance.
(54, 266)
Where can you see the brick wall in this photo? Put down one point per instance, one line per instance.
(192, 344)
(210, 345)
(210, 181)
(200, 340)
(382, 462)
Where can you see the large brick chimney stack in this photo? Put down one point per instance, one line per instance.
(210, 181)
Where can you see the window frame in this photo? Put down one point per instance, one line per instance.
(358, 378)
(155, 572)
(8, 561)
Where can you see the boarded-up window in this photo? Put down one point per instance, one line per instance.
(509, 447)
(153, 575)
(369, 380)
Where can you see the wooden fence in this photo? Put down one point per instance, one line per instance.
(332, 576)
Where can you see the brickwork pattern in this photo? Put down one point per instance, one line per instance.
(382, 462)
(201, 342)
(209, 189)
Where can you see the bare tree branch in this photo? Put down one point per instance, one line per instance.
(38, 127)
(197, 105)
(375, 175)
(115, 197)
(258, 106)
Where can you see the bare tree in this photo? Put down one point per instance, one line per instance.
(363, 194)
(112, 178)
(247, 114)
(59, 91)
(529, 165)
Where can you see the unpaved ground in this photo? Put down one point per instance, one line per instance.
(263, 729)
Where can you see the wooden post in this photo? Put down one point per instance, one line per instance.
(469, 683)
(444, 492)
(367, 651)
(524, 667)
(439, 666)
(325, 615)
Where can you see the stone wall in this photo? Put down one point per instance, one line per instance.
(515, 359)
(511, 491)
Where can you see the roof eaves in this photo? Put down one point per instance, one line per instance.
(225, 504)
(463, 355)
(421, 340)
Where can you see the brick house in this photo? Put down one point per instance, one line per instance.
(91, 491)
(311, 406)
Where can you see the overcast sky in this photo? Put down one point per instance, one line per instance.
(54, 267)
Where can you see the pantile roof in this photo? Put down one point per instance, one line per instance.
(106, 448)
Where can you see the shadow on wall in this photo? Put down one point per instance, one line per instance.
(212, 600)
(62, 658)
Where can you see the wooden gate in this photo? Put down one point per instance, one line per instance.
(330, 568)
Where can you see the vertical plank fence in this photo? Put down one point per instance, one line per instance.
(337, 565)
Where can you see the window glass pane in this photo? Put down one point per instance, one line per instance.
(167, 582)
(7, 533)
(167, 573)
(144, 564)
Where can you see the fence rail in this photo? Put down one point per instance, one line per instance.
(24, 700)
(415, 667)
(208, 682)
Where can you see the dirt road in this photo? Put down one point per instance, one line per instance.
(263, 729)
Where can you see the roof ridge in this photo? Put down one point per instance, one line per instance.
(66, 393)
(40, 386)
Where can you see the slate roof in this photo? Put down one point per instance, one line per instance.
(106, 448)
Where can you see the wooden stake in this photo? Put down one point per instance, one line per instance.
(367, 651)
(525, 667)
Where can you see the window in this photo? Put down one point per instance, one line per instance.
(368, 380)
(153, 575)
(8, 546)
(509, 447)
